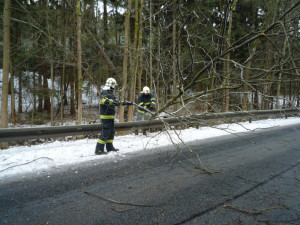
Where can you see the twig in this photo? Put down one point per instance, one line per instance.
(120, 211)
(201, 165)
(254, 181)
(25, 163)
(125, 203)
(252, 212)
(114, 201)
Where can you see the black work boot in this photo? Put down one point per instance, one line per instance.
(111, 148)
(144, 132)
(136, 132)
(100, 149)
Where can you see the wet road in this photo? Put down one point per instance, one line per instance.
(254, 179)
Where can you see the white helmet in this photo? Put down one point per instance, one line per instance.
(146, 90)
(111, 82)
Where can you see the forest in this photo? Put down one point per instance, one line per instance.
(196, 56)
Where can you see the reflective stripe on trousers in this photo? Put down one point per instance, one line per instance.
(107, 131)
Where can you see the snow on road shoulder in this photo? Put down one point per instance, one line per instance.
(38, 159)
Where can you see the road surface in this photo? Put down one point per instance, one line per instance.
(251, 178)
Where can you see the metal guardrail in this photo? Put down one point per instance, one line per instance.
(21, 134)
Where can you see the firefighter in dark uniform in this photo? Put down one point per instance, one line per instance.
(108, 102)
(145, 101)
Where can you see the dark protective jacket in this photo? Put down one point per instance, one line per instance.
(146, 101)
(108, 102)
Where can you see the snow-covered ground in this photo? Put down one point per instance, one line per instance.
(39, 160)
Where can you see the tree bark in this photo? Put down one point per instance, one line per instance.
(40, 95)
(63, 74)
(245, 105)
(134, 66)
(47, 103)
(72, 73)
(51, 69)
(225, 105)
(174, 43)
(12, 92)
(6, 58)
(105, 36)
(79, 66)
(125, 59)
(52, 92)
(140, 50)
(150, 45)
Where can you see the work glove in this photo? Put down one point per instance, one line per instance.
(116, 103)
(129, 103)
(152, 109)
(126, 103)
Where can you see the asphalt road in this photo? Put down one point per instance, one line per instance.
(253, 178)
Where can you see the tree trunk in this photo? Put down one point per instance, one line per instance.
(278, 89)
(150, 45)
(6, 57)
(63, 74)
(47, 103)
(105, 35)
(62, 82)
(252, 53)
(34, 94)
(211, 95)
(225, 104)
(40, 96)
(174, 42)
(62, 93)
(51, 68)
(20, 106)
(52, 92)
(134, 66)
(79, 67)
(12, 92)
(72, 87)
(140, 49)
(125, 59)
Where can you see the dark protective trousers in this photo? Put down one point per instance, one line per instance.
(107, 131)
(106, 136)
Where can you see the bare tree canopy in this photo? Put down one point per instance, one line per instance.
(196, 56)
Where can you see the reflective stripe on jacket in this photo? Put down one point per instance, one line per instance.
(108, 102)
(145, 101)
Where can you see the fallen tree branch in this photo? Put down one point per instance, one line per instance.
(126, 203)
(252, 212)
